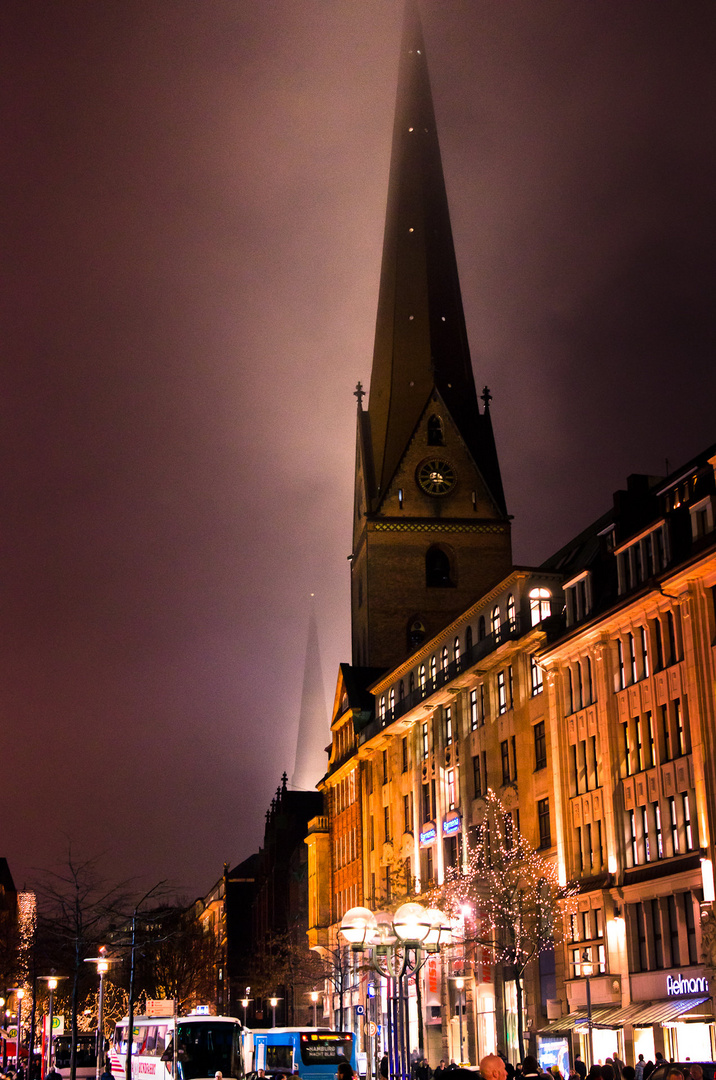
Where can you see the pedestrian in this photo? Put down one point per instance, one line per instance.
(384, 1067)
(530, 1068)
(618, 1065)
(608, 1070)
(628, 1073)
(639, 1067)
(579, 1067)
(595, 1072)
(423, 1070)
(492, 1067)
(438, 1073)
(648, 1069)
(344, 1072)
(54, 1073)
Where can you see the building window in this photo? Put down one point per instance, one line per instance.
(433, 669)
(645, 833)
(671, 633)
(372, 833)
(385, 766)
(473, 710)
(633, 846)
(426, 749)
(510, 688)
(590, 682)
(438, 571)
(448, 725)
(426, 803)
(451, 788)
(540, 745)
(687, 822)
(680, 733)
(651, 745)
(429, 864)
(673, 825)
(391, 699)
(545, 836)
(656, 931)
(482, 704)
(620, 661)
(386, 822)
(505, 752)
(404, 743)
(444, 658)
(416, 633)
(688, 903)
(673, 931)
(468, 639)
(536, 675)
(407, 816)
(476, 777)
(643, 638)
(422, 676)
(435, 431)
(657, 827)
(666, 732)
(495, 623)
(501, 693)
(632, 658)
(511, 612)
(540, 605)
(456, 651)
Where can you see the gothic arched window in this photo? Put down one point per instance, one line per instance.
(436, 436)
(438, 572)
(481, 629)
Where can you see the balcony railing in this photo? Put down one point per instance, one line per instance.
(509, 631)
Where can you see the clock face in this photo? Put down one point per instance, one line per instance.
(436, 477)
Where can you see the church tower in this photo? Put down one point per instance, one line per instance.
(431, 531)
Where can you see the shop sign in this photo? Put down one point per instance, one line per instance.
(451, 824)
(428, 832)
(677, 984)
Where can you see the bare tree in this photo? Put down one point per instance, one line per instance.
(76, 906)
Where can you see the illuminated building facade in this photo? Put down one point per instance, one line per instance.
(631, 709)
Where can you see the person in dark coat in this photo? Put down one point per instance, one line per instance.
(579, 1067)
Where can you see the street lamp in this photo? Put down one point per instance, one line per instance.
(19, 994)
(102, 963)
(51, 981)
(273, 1002)
(587, 971)
(314, 999)
(244, 1005)
(460, 985)
(399, 945)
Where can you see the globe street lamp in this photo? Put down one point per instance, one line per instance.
(314, 999)
(51, 981)
(273, 1002)
(244, 1005)
(399, 945)
(102, 962)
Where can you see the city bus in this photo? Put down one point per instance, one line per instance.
(85, 1055)
(314, 1053)
(205, 1045)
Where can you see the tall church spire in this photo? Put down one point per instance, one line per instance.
(430, 530)
(313, 725)
(420, 340)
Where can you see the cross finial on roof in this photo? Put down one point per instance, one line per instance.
(359, 393)
(486, 397)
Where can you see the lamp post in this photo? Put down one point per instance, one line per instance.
(102, 962)
(20, 993)
(244, 1005)
(587, 970)
(399, 945)
(314, 999)
(460, 985)
(273, 1002)
(51, 981)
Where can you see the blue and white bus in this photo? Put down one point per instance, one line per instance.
(315, 1053)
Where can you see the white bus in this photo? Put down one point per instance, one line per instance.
(205, 1045)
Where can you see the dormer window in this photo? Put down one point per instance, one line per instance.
(578, 597)
(702, 517)
(436, 436)
(642, 558)
(540, 605)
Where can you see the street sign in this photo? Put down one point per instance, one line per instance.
(371, 1029)
(360, 1010)
(159, 1007)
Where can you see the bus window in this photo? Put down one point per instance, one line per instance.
(326, 1049)
(279, 1057)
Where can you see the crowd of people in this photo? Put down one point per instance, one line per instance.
(497, 1067)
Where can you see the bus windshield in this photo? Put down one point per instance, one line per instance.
(325, 1049)
(204, 1049)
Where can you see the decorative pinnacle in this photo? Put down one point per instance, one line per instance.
(359, 393)
(486, 397)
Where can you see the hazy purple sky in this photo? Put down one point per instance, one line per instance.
(193, 195)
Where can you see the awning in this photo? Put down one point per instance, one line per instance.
(638, 1014)
(659, 1012)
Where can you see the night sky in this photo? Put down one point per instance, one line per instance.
(193, 194)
